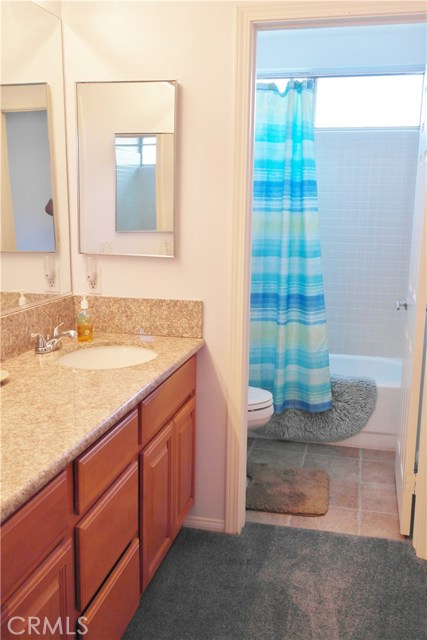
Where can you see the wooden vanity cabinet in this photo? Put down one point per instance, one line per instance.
(167, 466)
(80, 552)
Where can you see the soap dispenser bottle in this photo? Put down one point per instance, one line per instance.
(84, 322)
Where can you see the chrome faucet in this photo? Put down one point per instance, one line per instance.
(46, 345)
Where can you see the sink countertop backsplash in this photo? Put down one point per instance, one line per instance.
(51, 413)
(179, 318)
(17, 326)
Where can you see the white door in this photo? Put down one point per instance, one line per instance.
(413, 343)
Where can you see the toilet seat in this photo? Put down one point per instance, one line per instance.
(259, 399)
(260, 407)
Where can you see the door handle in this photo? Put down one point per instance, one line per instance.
(401, 304)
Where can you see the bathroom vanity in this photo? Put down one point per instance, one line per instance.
(79, 549)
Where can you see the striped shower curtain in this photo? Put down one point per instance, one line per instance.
(288, 344)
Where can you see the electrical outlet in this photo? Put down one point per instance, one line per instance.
(106, 247)
(94, 283)
(52, 286)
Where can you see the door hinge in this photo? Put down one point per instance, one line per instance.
(410, 482)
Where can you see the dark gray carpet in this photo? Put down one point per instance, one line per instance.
(353, 400)
(279, 583)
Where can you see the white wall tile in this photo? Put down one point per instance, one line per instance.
(366, 183)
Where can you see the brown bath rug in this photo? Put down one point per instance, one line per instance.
(300, 491)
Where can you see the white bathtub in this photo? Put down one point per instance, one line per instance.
(381, 430)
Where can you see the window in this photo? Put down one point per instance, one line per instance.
(137, 151)
(148, 150)
(368, 101)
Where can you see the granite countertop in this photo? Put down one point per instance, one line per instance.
(51, 413)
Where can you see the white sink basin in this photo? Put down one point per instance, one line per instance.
(111, 357)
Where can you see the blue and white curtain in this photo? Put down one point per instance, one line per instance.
(288, 344)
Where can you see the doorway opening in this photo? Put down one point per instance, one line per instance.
(241, 318)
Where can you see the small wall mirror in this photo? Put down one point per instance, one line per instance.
(27, 200)
(126, 136)
(31, 65)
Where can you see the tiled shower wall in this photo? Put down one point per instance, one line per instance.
(366, 183)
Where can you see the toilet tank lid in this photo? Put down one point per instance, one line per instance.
(259, 398)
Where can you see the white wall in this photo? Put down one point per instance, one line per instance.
(194, 44)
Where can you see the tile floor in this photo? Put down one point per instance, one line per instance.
(362, 490)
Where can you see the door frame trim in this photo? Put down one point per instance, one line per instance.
(249, 20)
(420, 517)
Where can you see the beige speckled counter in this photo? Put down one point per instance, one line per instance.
(51, 413)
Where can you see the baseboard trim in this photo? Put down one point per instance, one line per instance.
(207, 524)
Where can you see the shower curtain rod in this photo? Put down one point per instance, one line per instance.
(327, 73)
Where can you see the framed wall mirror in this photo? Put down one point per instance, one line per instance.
(34, 157)
(126, 141)
(27, 199)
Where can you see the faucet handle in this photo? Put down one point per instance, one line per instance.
(41, 342)
(56, 330)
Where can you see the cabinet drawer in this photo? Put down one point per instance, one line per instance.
(105, 532)
(102, 463)
(31, 533)
(113, 607)
(160, 405)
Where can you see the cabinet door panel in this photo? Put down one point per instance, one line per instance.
(103, 462)
(31, 533)
(44, 605)
(157, 498)
(113, 607)
(105, 532)
(183, 479)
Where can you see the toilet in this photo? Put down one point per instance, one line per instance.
(260, 407)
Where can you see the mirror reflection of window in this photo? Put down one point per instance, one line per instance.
(29, 174)
(27, 208)
(135, 183)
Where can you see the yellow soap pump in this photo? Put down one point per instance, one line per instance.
(84, 322)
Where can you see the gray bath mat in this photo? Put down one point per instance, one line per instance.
(301, 491)
(353, 403)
